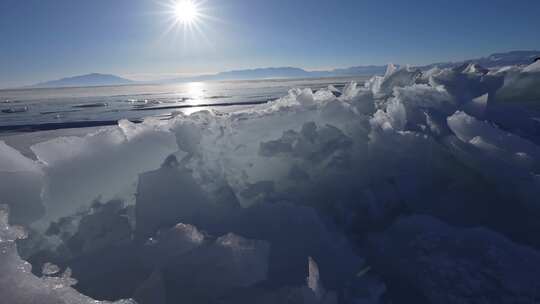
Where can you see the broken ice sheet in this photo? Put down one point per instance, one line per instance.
(312, 174)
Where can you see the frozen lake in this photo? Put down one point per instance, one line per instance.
(45, 109)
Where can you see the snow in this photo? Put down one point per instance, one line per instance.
(228, 207)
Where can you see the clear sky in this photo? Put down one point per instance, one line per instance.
(49, 39)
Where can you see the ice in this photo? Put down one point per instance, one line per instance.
(393, 118)
(105, 226)
(395, 77)
(12, 160)
(313, 279)
(311, 292)
(466, 82)
(19, 286)
(439, 263)
(425, 96)
(211, 270)
(21, 186)
(171, 195)
(49, 269)
(478, 106)
(316, 292)
(334, 91)
(170, 243)
(167, 196)
(152, 291)
(475, 69)
(9, 233)
(361, 98)
(249, 258)
(488, 137)
(312, 143)
(228, 207)
(521, 86)
(532, 68)
(103, 165)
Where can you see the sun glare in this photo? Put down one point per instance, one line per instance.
(186, 11)
(187, 19)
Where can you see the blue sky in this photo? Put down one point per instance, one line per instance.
(48, 39)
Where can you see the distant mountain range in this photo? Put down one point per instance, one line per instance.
(495, 60)
(283, 72)
(96, 79)
(88, 80)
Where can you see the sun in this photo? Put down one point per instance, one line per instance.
(186, 11)
(187, 19)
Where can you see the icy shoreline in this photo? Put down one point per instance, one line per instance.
(306, 199)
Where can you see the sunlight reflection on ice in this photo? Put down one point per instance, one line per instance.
(196, 90)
